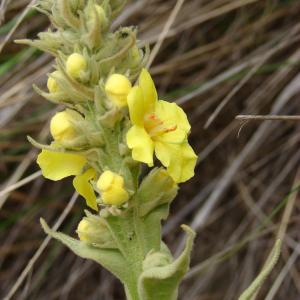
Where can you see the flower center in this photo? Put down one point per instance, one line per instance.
(156, 127)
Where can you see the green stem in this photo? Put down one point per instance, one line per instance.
(132, 291)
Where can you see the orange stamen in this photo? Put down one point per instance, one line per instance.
(173, 128)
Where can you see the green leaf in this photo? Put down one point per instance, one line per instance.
(149, 228)
(161, 282)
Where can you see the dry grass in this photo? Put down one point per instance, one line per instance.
(220, 58)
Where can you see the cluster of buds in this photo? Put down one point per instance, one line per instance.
(94, 72)
(110, 127)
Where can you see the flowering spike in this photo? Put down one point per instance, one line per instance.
(107, 130)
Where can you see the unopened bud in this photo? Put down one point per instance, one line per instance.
(52, 84)
(93, 229)
(62, 125)
(75, 65)
(117, 89)
(111, 186)
(83, 230)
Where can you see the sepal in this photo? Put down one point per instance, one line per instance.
(162, 282)
(157, 189)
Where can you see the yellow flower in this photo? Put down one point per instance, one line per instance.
(58, 165)
(160, 127)
(111, 186)
(62, 125)
(117, 88)
(75, 64)
(52, 84)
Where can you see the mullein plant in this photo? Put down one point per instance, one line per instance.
(112, 124)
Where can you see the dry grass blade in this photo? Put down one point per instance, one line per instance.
(40, 250)
(20, 183)
(20, 19)
(218, 59)
(267, 118)
(165, 31)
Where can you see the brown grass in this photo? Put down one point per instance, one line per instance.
(219, 59)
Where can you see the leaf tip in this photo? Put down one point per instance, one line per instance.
(189, 231)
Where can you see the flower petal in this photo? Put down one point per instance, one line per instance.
(172, 114)
(180, 160)
(58, 165)
(135, 102)
(84, 188)
(177, 136)
(141, 144)
(149, 91)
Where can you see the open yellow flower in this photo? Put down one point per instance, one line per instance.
(58, 165)
(160, 127)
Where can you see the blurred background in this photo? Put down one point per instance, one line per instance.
(217, 59)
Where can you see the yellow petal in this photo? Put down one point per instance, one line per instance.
(115, 196)
(149, 91)
(177, 136)
(84, 188)
(172, 115)
(180, 160)
(141, 144)
(58, 165)
(105, 181)
(136, 106)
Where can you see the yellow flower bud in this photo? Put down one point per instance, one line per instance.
(75, 64)
(117, 88)
(62, 125)
(83, 230)
(52, 84)
(111, 186)
(94, 230)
